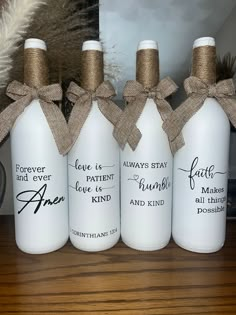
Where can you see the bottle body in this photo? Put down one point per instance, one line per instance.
(146, 185)
(93, 166)
(200, 181)
(39, 184)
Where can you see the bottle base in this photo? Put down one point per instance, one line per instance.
(39, 251)
(193, 249)
(145, 248)
(94, 248)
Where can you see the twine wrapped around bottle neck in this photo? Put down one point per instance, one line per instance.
(147, 67)
(204, 63)
(35, 68)
(92, 74)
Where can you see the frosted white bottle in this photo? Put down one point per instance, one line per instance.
(93, 165)
(146, 181)
(200, 178)
(39, 179)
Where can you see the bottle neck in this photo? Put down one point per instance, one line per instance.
(35, 67)
(92, 73)
(204, 63)
(147, 67)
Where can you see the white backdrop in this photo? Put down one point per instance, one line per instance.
(174, 24)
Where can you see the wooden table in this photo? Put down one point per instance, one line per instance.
(118, 281)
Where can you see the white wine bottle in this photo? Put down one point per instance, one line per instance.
(146, 172)
(201, 166)
(93, 164)
(39, 170)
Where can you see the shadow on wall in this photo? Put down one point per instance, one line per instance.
(6, 203)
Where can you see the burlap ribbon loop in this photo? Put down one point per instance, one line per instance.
(136, 96)
(76, 93)
(23, 96)
(194, 85)
(198, 91)
(82, 100)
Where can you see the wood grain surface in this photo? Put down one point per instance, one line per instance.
(118, 281)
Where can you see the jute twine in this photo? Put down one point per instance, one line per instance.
(92, 74)
(204, 63)
(36, 87)
(198, 88)
(35, 68)
(136, 94)
(93, 88)
(147, 67)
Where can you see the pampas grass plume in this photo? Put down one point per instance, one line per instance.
(16, 16)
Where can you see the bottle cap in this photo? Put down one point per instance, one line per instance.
(204, 41)
(92, 45)
(35, 43)
(147, 44)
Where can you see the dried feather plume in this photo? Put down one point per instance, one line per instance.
(63, 25)
(225, 67)
(16, 16)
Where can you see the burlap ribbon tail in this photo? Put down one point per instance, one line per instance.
(82, 100)
(23, 96)
(197, 91)
(136, 96)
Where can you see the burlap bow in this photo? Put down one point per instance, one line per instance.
(82, 100)
(136, 96)
(198, 91)
(23, 96)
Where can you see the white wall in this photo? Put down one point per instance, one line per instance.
(226, 42)
(174, 24)
(225, 38)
